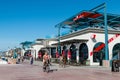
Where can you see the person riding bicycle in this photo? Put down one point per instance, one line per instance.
(46, 60)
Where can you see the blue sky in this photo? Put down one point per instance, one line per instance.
(27, 20)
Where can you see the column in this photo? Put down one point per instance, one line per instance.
(61, 49)
(68, 48)
(77, 52)
(50, 52)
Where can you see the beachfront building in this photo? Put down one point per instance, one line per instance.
(25, 48)
(38, 48)
(86, 40)
(41, 45)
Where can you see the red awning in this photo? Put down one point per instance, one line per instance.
(87, 15)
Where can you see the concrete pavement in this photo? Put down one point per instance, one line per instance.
(25, 71)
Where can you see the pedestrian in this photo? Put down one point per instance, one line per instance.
(31, 59)
(22, 58)
(64, 60)
(18, 59)
(61, 61)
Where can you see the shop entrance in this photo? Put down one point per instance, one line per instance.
(83, 53)
(99, 54)
(73, 52)
(64, 52)
(116, 52)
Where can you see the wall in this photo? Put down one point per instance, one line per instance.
(35, 49)
(100, 37)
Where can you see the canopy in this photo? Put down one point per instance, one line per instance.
(89, 19)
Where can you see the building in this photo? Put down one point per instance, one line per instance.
(86, 40)
(25, 48)
(42, 45)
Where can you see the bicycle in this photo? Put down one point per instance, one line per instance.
(46, 67)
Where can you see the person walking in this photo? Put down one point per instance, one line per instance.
(61, 61)
(18, 59)
(64, 60)
(31, 59)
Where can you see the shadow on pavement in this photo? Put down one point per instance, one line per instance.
(52, 70)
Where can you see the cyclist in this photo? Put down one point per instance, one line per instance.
(46, 60)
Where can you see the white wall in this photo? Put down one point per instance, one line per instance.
(100, 37)
(52, 42)
(112, 44)
(85, 36)
(35, 49)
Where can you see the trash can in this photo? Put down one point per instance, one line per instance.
(115, 66)
(101, 62)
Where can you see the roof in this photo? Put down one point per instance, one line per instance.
(26, 43)
(71, 41)
(51, 39)
(85, 19)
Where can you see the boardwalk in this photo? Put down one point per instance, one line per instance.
(34, 72)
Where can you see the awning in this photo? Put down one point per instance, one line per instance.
(71, 41)
(87, 18)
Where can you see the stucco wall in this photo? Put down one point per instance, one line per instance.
(35, 49)
(100, 37)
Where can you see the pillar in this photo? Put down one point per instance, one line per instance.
(77, 52)
(50, 52)
(68, 48)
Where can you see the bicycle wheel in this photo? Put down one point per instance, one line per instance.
(44, 68)
(47, 68)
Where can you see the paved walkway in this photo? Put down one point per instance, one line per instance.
(55, 65)
(25, 71)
